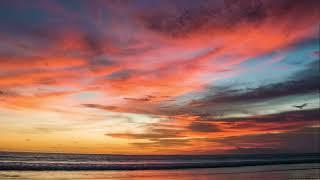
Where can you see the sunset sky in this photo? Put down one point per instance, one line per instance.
(159, 76)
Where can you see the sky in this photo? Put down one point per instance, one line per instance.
(159, 76)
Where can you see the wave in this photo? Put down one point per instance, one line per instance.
(31, 166)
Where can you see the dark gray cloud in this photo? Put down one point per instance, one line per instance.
(99, 61)
(121, 75)
(99, 106)
(203, 127)
(181, 19)
(303, 140)
(143, 99)
(94, 43)
(187, 19)
(294, 116)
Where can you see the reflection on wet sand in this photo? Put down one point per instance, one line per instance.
(294, 171)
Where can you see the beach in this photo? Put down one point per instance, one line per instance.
(15, 165)
(268, 172)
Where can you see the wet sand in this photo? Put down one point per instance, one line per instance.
(268, 172)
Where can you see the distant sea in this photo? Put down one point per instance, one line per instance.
(88, 166)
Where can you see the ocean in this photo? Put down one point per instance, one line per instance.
(90, 166)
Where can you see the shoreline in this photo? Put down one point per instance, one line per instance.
(125, 167)
(272, 172)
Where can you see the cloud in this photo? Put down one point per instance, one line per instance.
(299, 115)
(154, 134)
(94, 43)
(148, 98)
(213, 19)
(121, 75)
(303, 140)
(163, 143)
(203, 127)
(184, 20)
(300, 83)
(8, 93)
(156, 58)
(121, 64)
(102, 107)
(316, 53)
